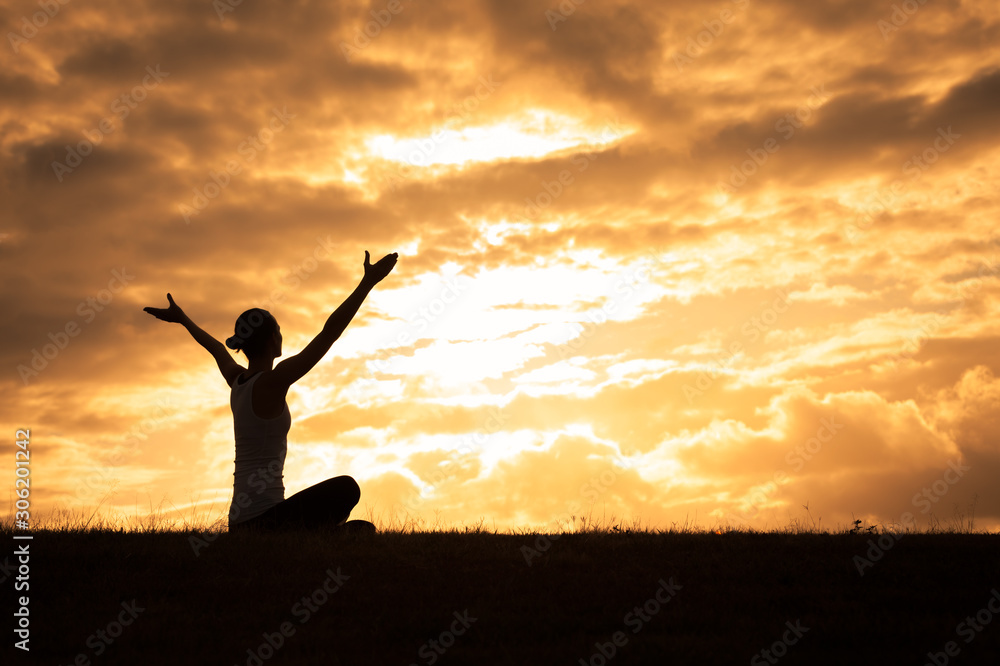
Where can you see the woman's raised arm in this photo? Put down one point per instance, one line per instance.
(295, 367)
(229, 368)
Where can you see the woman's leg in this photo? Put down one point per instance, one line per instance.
(326, 504)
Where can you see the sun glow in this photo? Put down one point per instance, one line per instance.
(535, 134)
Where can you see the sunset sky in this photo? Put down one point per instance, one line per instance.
(668, 262)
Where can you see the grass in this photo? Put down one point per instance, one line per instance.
(210, 597)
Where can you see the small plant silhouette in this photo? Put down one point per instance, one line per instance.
(858, 529)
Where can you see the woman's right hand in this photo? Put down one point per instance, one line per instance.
(375, 273)
(173, 314)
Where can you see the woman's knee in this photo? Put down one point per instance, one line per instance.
(355, 489)
(349, 487)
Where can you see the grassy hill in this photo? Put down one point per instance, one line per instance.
(601, 597)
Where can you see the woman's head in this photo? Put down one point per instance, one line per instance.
(255, 328)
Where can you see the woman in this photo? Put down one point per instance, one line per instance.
(261, 419)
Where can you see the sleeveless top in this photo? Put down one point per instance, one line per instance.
(260, 455)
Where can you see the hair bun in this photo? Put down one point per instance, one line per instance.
(234, 343)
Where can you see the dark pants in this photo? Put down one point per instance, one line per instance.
(327, 504)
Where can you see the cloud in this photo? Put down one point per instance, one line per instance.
(704, 261)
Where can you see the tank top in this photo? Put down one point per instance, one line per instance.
(260, 455)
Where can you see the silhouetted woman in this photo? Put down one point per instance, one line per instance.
(261, 419)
